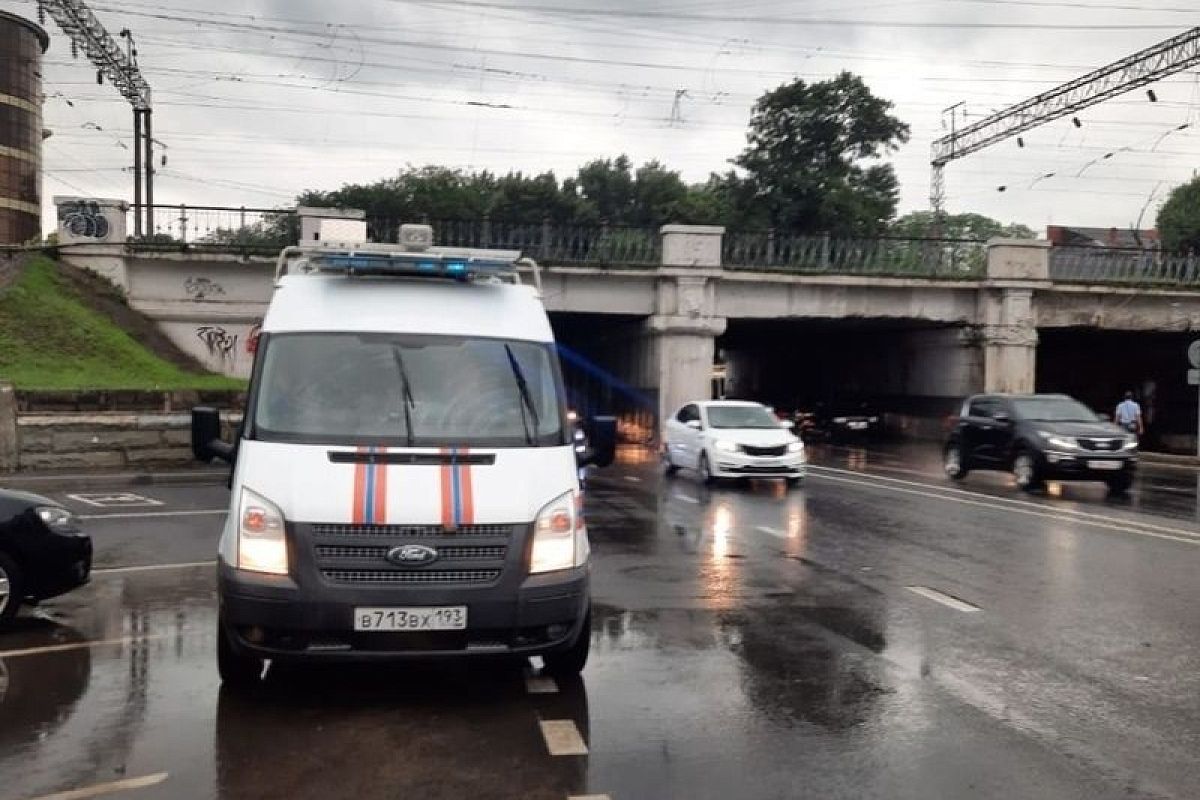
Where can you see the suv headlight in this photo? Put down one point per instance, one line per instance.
(725, 446)
(1130, 444)
(58, 519)
(262, 542)
(559, 535)
(1059, 441)
(795, 447)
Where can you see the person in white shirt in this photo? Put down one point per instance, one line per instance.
(1129, 415)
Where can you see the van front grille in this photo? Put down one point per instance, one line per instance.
(383, 577)
(327, 552)
(410, 531)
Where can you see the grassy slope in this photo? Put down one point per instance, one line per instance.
(49, 339)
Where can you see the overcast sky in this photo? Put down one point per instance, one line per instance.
(258, 100)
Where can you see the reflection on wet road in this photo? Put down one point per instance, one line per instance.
(749, 642)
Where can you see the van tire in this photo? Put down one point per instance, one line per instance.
(15, 588)
(238, 669)
(570, 662)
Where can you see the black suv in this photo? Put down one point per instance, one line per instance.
(1040, 437)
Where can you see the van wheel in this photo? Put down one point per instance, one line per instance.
(571, 662)
(1119, 484)
(238, 670)
(1026, 471)
(11, 588)
(706, 470)
(954, 463)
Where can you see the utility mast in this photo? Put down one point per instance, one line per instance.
(1144, 67)
(119, 65)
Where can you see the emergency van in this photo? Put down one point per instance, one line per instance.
(405, 477)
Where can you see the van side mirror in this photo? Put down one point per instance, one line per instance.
(207, 443)
(602, 443)
(694, 424)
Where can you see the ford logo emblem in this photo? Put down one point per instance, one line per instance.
(412, 555)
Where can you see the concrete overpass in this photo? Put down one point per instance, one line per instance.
(642, 339)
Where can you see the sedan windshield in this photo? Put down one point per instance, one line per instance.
(407, 390)
(1053, 409)
(741, 417)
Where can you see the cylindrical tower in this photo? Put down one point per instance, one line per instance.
(20, 128)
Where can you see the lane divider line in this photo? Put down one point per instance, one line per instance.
(778, 534)
(589, 797)
(540, 684)
(562, 737)
(633, 479)
(61, 648)
(152, 567)
(686, 498)
(101, 789)
(1188, 539)
(145, 514)
(947, 600)
(1060, 512)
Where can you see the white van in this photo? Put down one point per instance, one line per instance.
(405, 478)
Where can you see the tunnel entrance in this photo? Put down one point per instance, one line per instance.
(912, 370)
(1099, 366)
(607, 364)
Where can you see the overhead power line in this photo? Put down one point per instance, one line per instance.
(1139, 69)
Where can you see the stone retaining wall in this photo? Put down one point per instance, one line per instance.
(85, 430)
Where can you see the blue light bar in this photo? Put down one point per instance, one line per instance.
(401, 264)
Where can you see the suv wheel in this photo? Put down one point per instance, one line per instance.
(11, 589)
(1119, 484)
(1026, 471)
(954, 462)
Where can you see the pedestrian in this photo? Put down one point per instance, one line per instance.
(1129, 415)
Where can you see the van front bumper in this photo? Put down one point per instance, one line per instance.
(274, 617)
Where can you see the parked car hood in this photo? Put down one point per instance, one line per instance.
(757, 437)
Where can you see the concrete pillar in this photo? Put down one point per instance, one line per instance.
(92, 234)
(683, 333)
(1016, 270)
(8, 428)
(691, 245)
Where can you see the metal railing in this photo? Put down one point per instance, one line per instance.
(1104, 265)
(959, 259)
(547, 242)
(219, 227)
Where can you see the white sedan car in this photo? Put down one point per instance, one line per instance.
(732, 439)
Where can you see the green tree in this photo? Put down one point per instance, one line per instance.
(807, 157)
(920, 225)
(1179, 219)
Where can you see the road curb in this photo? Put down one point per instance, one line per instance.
(88, 480)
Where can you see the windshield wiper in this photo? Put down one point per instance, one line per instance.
(526, 400)
(406, 392)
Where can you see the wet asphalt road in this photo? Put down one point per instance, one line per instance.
(877, 633)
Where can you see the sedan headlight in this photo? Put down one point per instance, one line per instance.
(795, 447)
(1059, 441)
(559, 535)
(262, 541)
(58, 519)
(725, 446)
(840, 420)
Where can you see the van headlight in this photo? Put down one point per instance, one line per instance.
(262, 542)
(559, 535)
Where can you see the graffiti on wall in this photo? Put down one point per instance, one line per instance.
(83, 219)
(219, 342)
(202, 288)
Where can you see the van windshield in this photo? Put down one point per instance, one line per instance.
(408, 390)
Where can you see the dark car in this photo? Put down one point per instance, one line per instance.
(846, 420)
(1040, 437)
(43, 553)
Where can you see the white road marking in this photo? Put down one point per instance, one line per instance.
(61, 648)
(633, 479)
(145, 514)
(1007, 504)
(686, 498)
(943, 598)
(152, 567)
(108, 788)
(537, 684)
(589, 797)
(562, 738)
(114, 499)
(772, 531)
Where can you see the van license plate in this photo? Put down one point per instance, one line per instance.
(438, 618)
(1109, 465)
